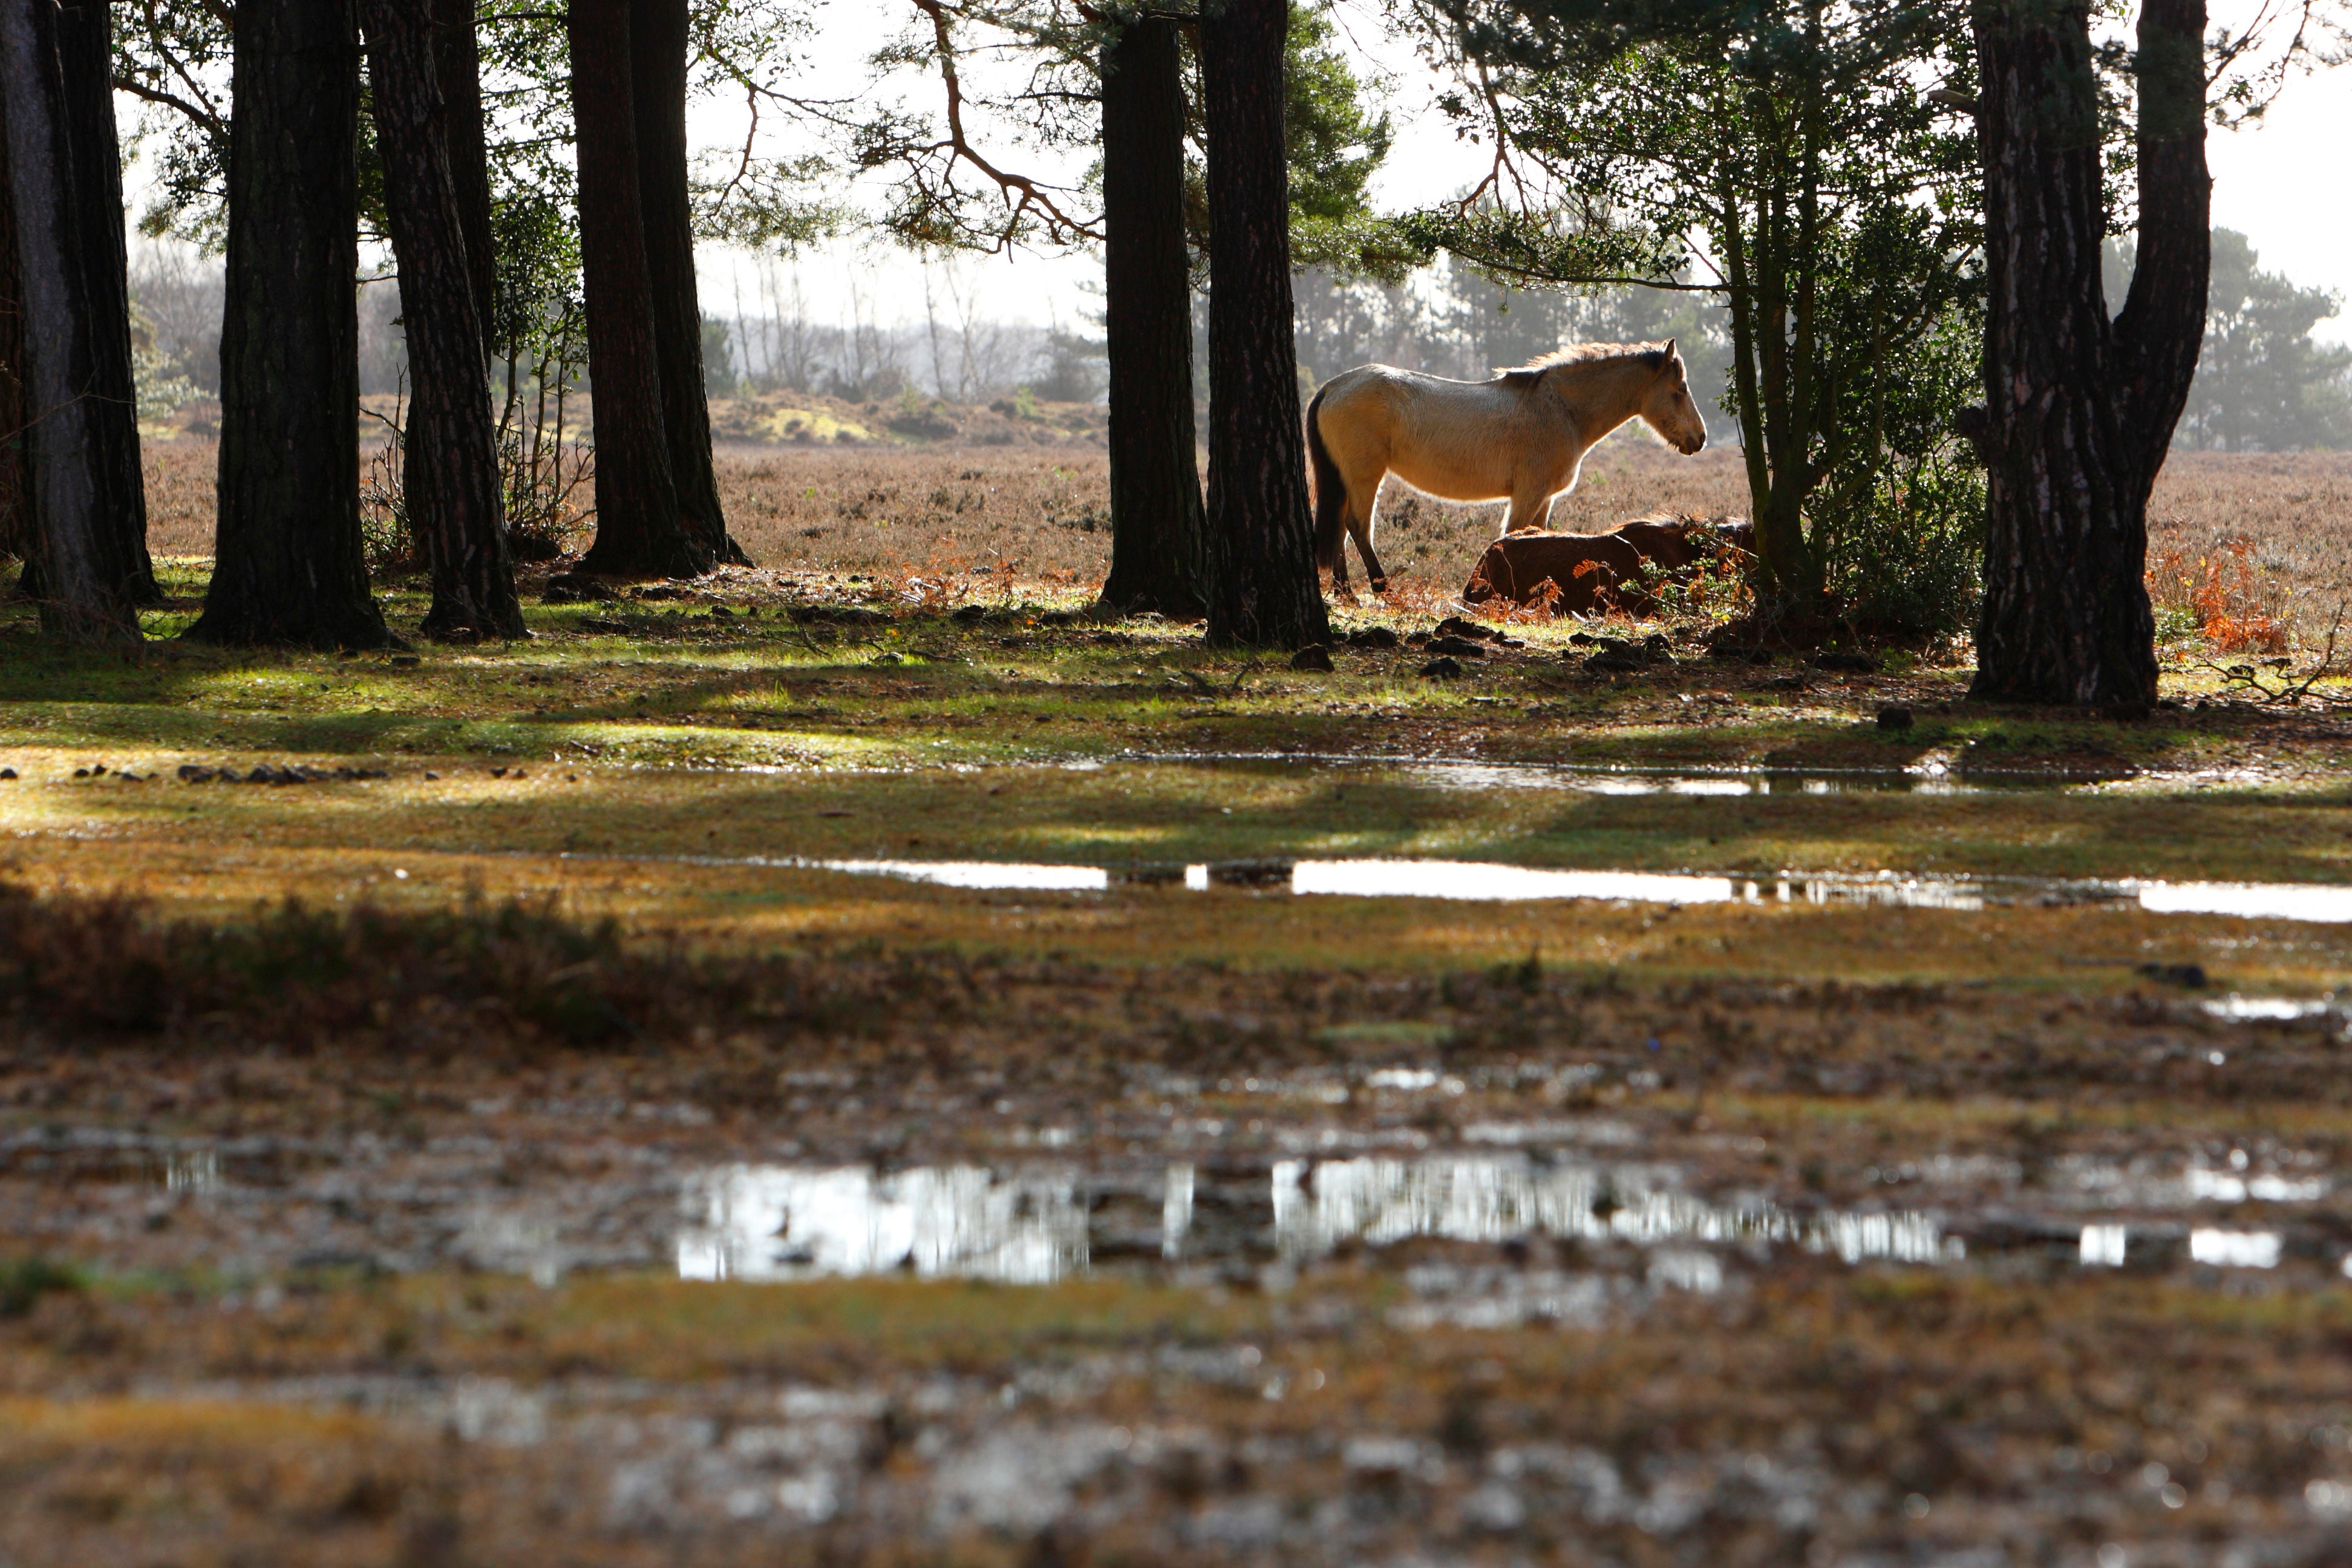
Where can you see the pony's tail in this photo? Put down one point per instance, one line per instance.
(1330, 491)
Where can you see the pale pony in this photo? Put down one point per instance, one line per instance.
(1519, 437)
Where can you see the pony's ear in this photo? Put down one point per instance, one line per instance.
(1666, 358)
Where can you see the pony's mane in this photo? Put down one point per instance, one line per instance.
(1525, 375)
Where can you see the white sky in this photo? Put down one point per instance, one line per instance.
(2272, 182)
(2283, 183)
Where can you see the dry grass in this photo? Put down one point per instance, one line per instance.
(852, 508)
(2253, 540)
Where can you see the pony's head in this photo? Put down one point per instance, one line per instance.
(1668, 405)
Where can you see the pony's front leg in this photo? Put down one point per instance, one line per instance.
(1529, 512)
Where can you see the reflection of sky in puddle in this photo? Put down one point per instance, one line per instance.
(1382, 1201)
(2109, 1246)
(2266, 1009)
(1491, 881)
(1929, 776)
(770, 1223)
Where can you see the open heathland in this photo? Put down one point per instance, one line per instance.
(854, 1061)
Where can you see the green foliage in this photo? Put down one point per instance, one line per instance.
(1334, 142)
(955, 185)
(1337, 139)
(1784, 148)
(24, 1280)
(2262, 384)
(718, 359)
(161, 390)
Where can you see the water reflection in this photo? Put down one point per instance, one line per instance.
(1492, 882)
(1479, 881)
(2234, 1248)
(1383, 1201)
(983, 874)
(1930, 776)
(772, 1223)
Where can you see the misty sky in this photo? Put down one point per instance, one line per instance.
(2281, 183)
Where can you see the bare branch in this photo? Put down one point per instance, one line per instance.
(210, 122)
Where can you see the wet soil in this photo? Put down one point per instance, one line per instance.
(1963, 1205)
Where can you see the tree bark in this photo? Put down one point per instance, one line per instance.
(455, 505)
(288, 564)
(458, 70)
(16, 510)
(86, 50)
(640, 531)
(1265, 591)
(658, 44)
(78, 543)
(2079, 410)
(1159, 532)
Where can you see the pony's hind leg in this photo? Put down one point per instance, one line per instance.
(1362, 534)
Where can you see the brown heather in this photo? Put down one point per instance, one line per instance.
(1043, 511)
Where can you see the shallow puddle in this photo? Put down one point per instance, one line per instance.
(770, 1222)
(1489, 881)
(1929, 777)
(1526, 1218)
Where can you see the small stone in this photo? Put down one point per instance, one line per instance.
(1461, 627)
(1374, 636)
(1610, 662)
(575, 588)
(1894, 717)
(1314, 656)
(1441, 668)
(1459, 647)
(405, 661)
(7, 772)
(2187, 976)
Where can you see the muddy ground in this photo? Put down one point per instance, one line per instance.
(851, 1065)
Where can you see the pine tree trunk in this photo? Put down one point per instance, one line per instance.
(1265, 591)
(1159, 532)
(454, 499)
(287, 564)
(86, 50)
(15, 511)
(2078, 410)
(657, 38)
(458, 70)
(639, 529)
(83, 566)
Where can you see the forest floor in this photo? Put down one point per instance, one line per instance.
(855, 1062)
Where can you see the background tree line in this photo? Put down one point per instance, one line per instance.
(1828, 179)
